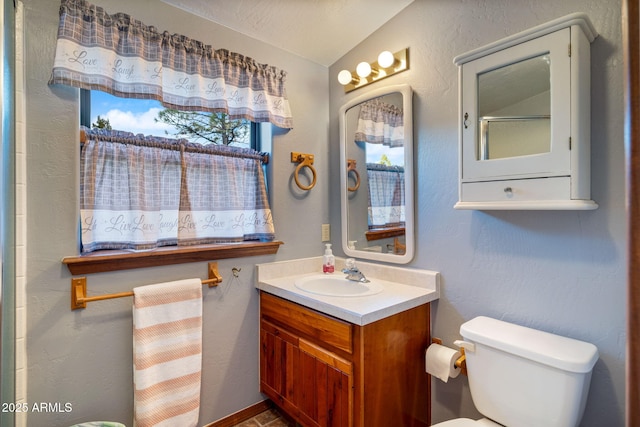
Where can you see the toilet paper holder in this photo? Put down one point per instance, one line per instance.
(461, 362)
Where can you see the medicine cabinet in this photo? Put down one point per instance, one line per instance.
(525, 120)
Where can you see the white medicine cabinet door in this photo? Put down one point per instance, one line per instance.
(516, 107)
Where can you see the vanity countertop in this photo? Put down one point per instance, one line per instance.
(403, 289)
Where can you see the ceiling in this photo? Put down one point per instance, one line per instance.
(319, 30)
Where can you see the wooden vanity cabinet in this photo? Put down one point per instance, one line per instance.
(323, 371)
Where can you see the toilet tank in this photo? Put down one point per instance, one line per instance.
(522, 377)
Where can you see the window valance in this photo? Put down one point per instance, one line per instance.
(122, 56)
(380, 123)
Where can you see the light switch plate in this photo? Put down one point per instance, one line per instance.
(326, 232)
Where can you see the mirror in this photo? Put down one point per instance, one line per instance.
(514, 110)
(376, 154)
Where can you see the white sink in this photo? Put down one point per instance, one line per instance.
(336, 285)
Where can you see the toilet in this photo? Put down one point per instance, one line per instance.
(522, 377)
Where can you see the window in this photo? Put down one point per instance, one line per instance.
(147, 63)
(141, 188)
(145, 117)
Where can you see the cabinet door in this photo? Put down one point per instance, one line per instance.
(311, 384)
(279, 355)
(326, 385)
(515, 126)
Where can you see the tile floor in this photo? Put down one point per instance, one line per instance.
(268, 418)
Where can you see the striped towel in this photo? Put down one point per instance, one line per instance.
(167, 353)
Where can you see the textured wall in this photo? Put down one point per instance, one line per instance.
(563, 272)
(559, 271)
(84, 357)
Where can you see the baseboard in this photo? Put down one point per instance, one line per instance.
(242, 415)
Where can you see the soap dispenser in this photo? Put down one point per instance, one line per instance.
(328, 261)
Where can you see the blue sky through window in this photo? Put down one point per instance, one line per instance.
(135, 115)
(376, 151)
(131, 115)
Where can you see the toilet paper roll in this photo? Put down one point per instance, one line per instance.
(440, 362)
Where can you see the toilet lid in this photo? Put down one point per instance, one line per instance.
(467, 422)
(458, 422)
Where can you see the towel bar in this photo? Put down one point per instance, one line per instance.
(79, 298)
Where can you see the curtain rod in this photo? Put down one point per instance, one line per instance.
(264, 156)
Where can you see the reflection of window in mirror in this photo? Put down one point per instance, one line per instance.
(515, 100)
(380, 135)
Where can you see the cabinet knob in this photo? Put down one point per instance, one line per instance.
(508, 191)
(466, 120)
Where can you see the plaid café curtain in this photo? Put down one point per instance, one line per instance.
(386, 195)
(122, 56)
(380, 123)
(141, 192)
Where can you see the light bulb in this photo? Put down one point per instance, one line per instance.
(345, 77)
(386, 59)
(363, 69)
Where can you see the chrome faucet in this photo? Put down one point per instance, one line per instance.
(353, 273)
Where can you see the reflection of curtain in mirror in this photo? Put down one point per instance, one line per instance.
(386, 195)
(380, 123)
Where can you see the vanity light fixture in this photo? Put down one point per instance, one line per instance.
(364, 70)
(345, 77)
(387, 65)
(386, 59)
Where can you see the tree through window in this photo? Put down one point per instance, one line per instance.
(149, 117)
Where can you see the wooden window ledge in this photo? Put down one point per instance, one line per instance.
(384, 233)
(102, 261)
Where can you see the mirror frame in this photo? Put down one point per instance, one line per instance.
(407, 106)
